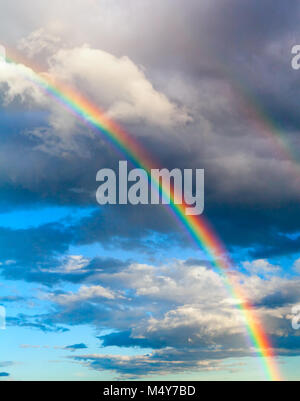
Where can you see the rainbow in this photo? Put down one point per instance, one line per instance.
(265, 125)
(197, 227)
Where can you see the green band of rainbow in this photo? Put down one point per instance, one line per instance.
(198, 228)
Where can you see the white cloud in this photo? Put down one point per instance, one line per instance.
(75, 263)
(71, 264)
(174, 282)
(85, 294)
(297, 265)
(198, 321)
(117, 85)
(180, 304)
(16, 82)
(182, 312)
(261, 266)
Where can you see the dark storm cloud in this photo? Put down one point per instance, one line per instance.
(72, 182)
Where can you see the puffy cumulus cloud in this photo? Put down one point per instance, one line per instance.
(274, 292)
(169, 283)
(16, 82)
(190, 326)
(117, 85)
(84, 294)
(261, 266)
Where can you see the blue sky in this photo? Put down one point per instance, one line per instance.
(121, 292)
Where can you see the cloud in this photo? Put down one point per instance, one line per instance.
(32, 250)
(73, 264)
(297, 265)
(117, 85)
(182, 305)
(50, 264)
(182, 313)
(16, 82)
(85, 293)
(242, 167)
(76, 347)
(39, 41)
(35, 322)
(6, 364)
(261, 266)
(125, 93)
(126, 340)
(130, 367)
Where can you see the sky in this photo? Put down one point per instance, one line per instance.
(121, 292)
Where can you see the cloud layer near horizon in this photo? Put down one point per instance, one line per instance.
(181, 312)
